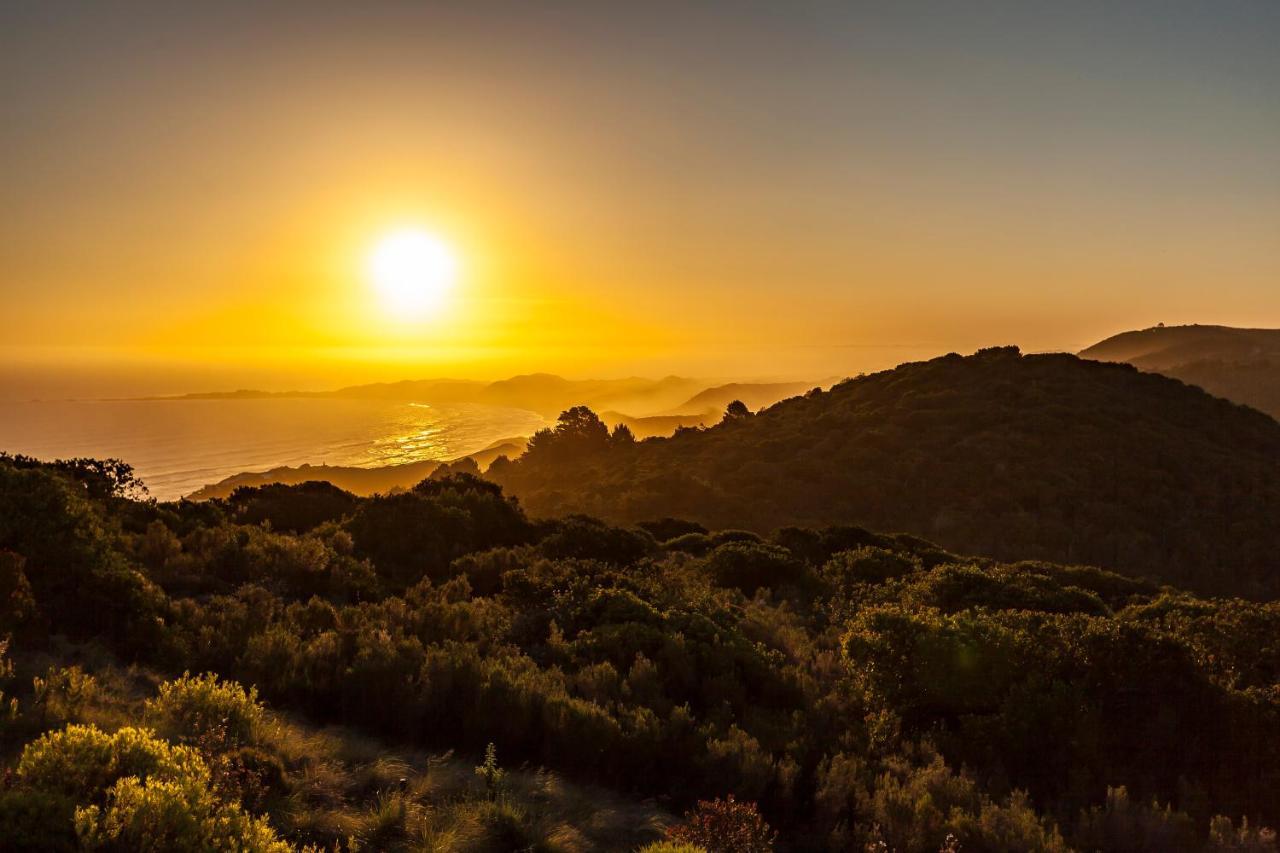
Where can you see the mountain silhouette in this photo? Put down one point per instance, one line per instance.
(997, 453)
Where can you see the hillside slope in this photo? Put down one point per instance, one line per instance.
(1045, 456)
(1242, 365)
(754, 394)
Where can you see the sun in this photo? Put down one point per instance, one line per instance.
(412, 271)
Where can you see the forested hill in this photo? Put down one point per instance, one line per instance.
(998, 453)
(1240, 364)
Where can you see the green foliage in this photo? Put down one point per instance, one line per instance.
(82, 761)
(171, 815)
(69, 547)
(859, 688)
(919, 805)
(125, 791)
(296, 509)
(583, 538)
(419, 533)
(747, 566)
(867, 564)
(8, 705)
(62, 694)
(32, 819)
(206, 710)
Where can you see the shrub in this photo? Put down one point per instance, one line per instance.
(82, 761)
(750, 565)
(8, 707)
(171, 815)
(1125, 825)
(123, 791)
(867, 564)
(202, 709)
(63, 692)
(36, 820)
(724, 826)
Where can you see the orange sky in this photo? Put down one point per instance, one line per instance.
(735, 190)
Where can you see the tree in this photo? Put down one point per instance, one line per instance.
(736, 411)
(578, 432)
(622, 434)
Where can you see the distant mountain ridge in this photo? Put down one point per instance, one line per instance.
(1242, 365)
(548, 394)
(755, 395)
(997, 453)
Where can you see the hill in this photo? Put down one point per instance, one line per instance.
(539, 392)
(359, 481)
(1044, 456)
(1242, 365)
(631, 397)
(755, 395)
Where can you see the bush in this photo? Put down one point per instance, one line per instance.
(580, 537)
(201, 709)
(295, 508)
(80, 762)
(124, 791)
(63, 692)
(867, 564)
(36, 820)
(171, 815)
(724, 826)
(750, 565)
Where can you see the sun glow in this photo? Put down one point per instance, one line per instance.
(413, 271)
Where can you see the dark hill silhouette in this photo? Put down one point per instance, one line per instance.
(1037, 456)
(1242, 365)
(358, 481)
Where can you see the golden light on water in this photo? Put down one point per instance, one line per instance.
(412, 271)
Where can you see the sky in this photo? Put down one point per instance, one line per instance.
(191, 193)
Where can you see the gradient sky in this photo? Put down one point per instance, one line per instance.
(188, 194)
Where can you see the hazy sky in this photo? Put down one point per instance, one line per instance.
(189, 195)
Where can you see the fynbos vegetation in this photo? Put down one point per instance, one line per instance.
(815, 689)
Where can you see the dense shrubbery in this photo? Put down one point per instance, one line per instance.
(858, 689)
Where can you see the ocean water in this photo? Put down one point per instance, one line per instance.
(177, 446)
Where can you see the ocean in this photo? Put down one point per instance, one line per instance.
(177, 446)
